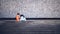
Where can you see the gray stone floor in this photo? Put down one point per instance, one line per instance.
(30, 27)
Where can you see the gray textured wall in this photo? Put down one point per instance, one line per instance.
(30, 8)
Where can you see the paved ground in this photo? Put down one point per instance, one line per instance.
(30, 27)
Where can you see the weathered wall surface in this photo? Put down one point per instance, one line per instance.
(30, 8)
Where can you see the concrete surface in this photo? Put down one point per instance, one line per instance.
(30, 27)
(30, 8)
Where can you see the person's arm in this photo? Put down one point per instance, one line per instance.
(19, 17)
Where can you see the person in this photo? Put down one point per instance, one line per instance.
(22, 18)
(18, 17)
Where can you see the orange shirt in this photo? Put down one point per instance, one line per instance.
(17, 17)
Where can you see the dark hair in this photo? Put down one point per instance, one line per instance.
(18, 14)
(22, 15)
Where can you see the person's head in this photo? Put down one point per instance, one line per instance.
(18, 14)
(22, 15)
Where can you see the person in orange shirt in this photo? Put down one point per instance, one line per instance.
(18, 17)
